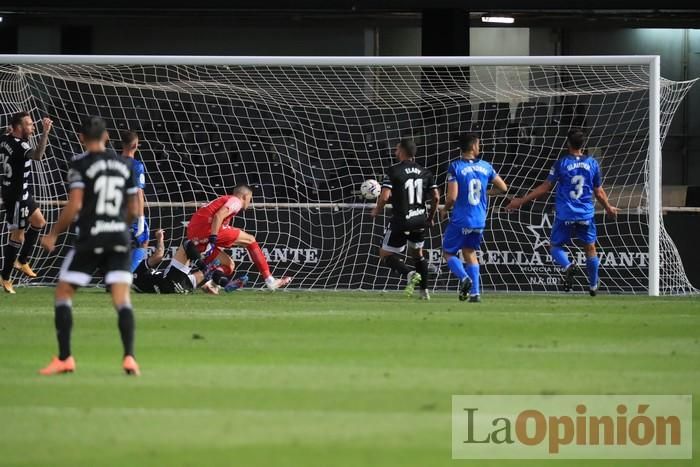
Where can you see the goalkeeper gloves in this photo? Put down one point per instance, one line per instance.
(212, 245)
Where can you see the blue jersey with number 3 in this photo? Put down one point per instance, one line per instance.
(472, 177)
(575, 177)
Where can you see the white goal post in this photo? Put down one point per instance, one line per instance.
(275, 97)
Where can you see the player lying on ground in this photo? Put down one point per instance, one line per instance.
(210, 231)
(102, 196)
(21, 212)
(577, 177)
(178, 276)
(467, 180)
(405, 183)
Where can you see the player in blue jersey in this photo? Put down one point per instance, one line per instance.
(467, 190)
(578, 179)
(139, 229)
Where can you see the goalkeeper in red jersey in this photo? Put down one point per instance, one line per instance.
(210, 231)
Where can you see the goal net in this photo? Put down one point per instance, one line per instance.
(306, 133)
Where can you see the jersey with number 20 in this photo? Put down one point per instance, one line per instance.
(472, 204)
(575, 177)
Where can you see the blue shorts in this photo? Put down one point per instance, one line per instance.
(564, 231)
(457, 237)
(141, 239)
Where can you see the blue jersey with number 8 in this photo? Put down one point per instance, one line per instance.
(575, 177)
(472, 177)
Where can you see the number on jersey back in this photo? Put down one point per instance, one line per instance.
(409, 184)
(575, 177)
(107, 180)
(472, 177)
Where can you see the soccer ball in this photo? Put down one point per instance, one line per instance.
(370, 189)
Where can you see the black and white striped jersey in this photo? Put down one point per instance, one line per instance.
(15, 168)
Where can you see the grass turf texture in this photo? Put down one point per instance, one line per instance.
(319, 379)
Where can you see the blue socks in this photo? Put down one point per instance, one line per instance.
(457, 268)
(473, 272)
(592, 270)
(561, 257)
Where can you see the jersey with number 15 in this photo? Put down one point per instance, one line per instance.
(107, 181)
(575, 177)
(472, 204)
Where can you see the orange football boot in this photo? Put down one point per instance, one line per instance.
(24, 269)
(130, 366)
(59, 366)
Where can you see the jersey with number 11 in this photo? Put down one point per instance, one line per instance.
(472, 177)
(575, 177)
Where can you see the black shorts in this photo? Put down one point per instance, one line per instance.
(395, 240)
(176, 281)
(81, 263)
(146, 280)
(17, 212)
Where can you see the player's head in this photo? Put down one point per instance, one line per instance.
(469, 143)
(93, 133)
(130, 142)
(245, 193)
(406, 150)
(576, 139)
(22, 125)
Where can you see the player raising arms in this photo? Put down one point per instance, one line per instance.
(405, 183)
(578, 180)
(16, 156)
(102, 195)
(210, 231)
(467, 180)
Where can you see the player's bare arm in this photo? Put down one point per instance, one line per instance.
(434, 204)
(38, 152)
(132, 208)
(602, 198)
(218, 219)
(542, 190)
(382, 201)
(65, 219)
(499, 186)
(159, 252)
(450, 199)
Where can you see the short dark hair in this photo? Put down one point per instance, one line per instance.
(128, 138)
(93, 128)
(241, 188)
(16, 118)
(409, 146)
(576, 138)
(467, 140)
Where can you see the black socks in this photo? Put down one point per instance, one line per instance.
(397, 265)
(422, 269)
(30, 238)
(63, 319)
(127, 328)
(10, 254)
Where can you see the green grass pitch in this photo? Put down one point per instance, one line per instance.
(319, 379)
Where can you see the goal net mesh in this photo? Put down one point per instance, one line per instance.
(306, 137)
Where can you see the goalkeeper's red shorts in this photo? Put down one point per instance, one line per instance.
(198, 233)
